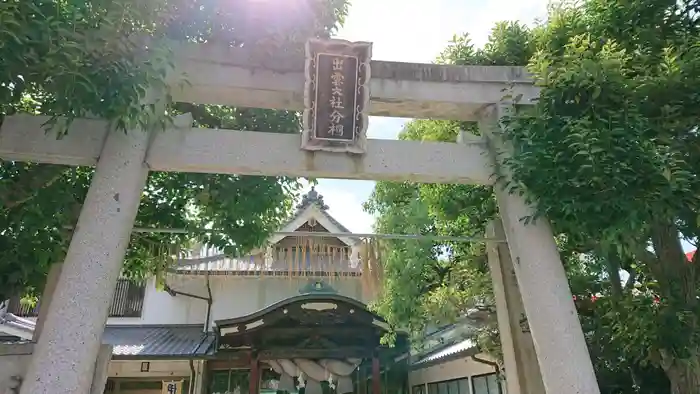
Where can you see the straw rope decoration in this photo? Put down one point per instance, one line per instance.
(289, 259)
(259, 261)
(306, 244)
(372, 270)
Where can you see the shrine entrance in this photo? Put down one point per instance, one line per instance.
(311, 344)
(537, 316)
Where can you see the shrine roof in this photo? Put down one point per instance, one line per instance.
(158, 341)
(311, 208)
(465, 347)
(314, 325)
(311, 198)
(328, 300)
(140, 342)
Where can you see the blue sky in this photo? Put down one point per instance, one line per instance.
(411, 31)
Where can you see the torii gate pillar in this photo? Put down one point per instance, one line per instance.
(64, 358)
(522, 370)
(561, 348)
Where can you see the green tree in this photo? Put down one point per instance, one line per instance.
(609, 154)
(99, 58)
(447, 278)
(614, 137)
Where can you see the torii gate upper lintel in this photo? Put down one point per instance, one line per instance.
(64, 357)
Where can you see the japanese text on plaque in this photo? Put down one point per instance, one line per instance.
(336, 97)
(336, 102)
(171, 388)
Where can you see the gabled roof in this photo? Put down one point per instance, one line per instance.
(312, 206)
(311, 209)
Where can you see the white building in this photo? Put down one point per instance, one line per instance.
(292, 315)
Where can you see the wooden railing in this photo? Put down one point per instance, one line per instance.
(127, 301)
(21, 310)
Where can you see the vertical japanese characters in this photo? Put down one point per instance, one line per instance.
(336, 92)
(172, 387)
(335, 127)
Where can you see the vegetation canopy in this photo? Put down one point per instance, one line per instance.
(101, 58)
(609, 154)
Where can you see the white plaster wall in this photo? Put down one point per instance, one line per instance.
(233, 296)
(239, 296)
(14, 361)
(277, 289)
(454, 369)
(159, 307)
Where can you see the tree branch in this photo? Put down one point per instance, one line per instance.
(679, 275)
(632, 279)
(200, 114)
(26, 186)
(613, 266)
(646, 257)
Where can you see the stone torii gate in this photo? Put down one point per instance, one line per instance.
(64, 357)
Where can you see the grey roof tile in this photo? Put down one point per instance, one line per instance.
(157, 341)
(457, 348)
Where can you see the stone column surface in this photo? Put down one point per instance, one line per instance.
(504, 314)
(49, 289)
(65, 355)
(99, 379)
(556, 331)
(522, 369)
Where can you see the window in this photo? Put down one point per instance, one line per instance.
(418, 389)
(464, 386)
(457, 386)
(228, 381)
(126, 302)
(486, 384)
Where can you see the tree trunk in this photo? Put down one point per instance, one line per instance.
(684, 376)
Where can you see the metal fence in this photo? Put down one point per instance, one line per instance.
(127, 301)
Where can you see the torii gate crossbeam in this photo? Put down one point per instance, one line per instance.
(187, 149)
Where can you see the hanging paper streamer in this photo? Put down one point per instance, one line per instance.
(370, 255)
(291, 257)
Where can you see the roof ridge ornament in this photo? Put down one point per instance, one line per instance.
(312, 197)
(316, 286)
